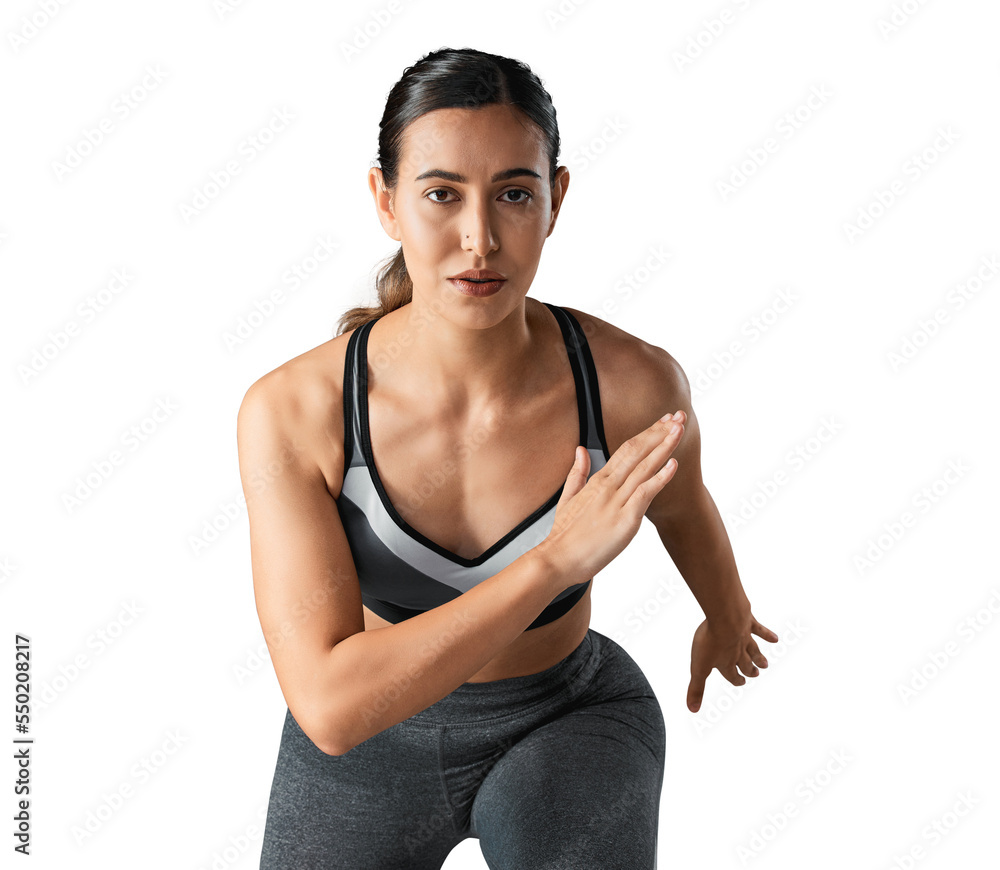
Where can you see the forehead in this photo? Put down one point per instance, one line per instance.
(471, 141)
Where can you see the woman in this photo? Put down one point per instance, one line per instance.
(444, 478)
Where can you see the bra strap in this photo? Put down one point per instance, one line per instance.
(352, 422)
(592, 423)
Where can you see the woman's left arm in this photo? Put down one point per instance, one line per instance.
(694, 535)
(692, 530)
(639, 383)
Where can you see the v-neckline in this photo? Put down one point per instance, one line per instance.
(362, 391)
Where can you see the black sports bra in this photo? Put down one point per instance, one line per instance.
(402, 572)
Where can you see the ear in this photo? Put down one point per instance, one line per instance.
(383, 203)
(558, 194)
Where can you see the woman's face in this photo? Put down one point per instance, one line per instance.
(452, 211)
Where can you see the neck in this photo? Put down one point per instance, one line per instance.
(463, 366)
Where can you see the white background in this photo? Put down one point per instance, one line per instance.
(654, 111)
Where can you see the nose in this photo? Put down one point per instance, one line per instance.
(478, 234)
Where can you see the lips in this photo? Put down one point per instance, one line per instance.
(478, 282)
(478, 275)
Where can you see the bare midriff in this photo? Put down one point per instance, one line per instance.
(534, 650)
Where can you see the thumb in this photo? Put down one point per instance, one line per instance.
(577, 477)
(696, 689)
(700, 668)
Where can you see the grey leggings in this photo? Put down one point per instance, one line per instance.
(559, 769)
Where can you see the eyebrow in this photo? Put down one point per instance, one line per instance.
(461, 179)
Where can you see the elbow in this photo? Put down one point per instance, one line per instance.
(334, 741)
(325, 739)
(327, 734)
(332, 748)
(329, 710)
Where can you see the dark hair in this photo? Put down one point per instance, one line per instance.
(444, 79)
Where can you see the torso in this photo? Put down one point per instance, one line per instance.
(537, 433)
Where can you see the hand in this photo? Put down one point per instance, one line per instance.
(725, 649)
(596, 518)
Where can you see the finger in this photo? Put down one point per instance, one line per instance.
(756, 656)
(633, 450)
(655, 463)
(733, 675)
(763, 631)
(696, 690)
(576, 479)
(747, 666)
(700, 670)
(646, 490)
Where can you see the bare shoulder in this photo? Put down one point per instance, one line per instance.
(294, 413)
(639, 382)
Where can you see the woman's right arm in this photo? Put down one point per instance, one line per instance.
(344, 684)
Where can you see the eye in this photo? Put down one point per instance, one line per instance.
(526, 196)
